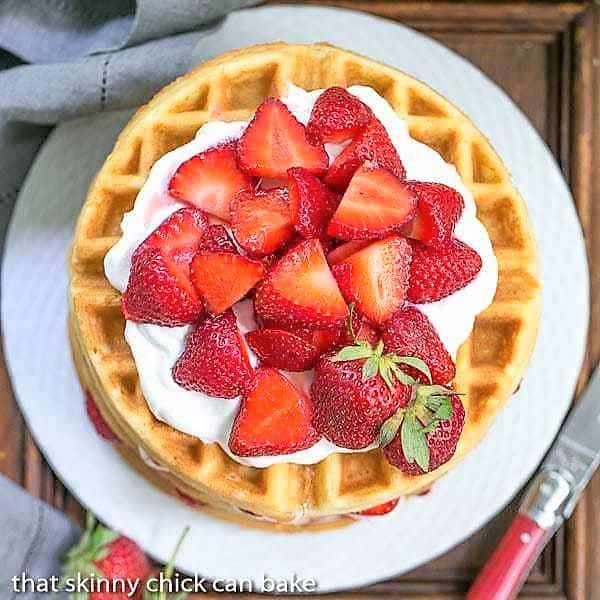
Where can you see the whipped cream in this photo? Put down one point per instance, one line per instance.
(156, 348)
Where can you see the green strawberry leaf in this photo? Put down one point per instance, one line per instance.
(363, 350)
(390, 428)
(370, 368)
(415, 363)
(414, 442)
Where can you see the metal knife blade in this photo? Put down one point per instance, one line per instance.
(570, 463)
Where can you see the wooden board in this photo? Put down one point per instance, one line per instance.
(547, 58)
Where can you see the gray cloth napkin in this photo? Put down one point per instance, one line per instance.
(61, 59)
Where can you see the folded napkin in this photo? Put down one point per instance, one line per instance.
(61, 59)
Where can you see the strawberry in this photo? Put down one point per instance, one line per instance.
(336, 116)
(210, 180)
(438, 209)
(375, 278)
(223, 278)
(275, 141)
(373, 145)
(300, 291)
(214, 360)
(380, 509)
(216, 239)
(345, 250)
(104, 553)
(312, 204)
(274, 418)
(430, 444)
(292, 351)
(261, 221)
(100, 425)
(375, 204)
(409, 333)
(159, 289)
(361, 331)
(437, 272)
(350, 408)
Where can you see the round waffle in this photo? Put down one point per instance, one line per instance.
(489, 364)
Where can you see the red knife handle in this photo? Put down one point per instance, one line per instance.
(506, 570)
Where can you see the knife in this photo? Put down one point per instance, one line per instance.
(548, 502)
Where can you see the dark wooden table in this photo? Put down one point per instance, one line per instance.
(547, 58)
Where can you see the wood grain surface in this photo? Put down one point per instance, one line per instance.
(547, 58)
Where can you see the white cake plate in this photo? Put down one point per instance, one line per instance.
(34, 307)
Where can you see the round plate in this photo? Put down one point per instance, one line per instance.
(35, 335)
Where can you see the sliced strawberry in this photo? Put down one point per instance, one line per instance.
(438, 271)
(409, 333)
(373, 145)
(261, 221)
(312, 204)
(275, 418)
(210, 180)
(95, 416)
(159, 289)
(215, 360)
(438, 209)
(216, 239)
(345, 250)
(223, 278)
(336, 116)
(275, 141)
(300, 291)
(375, 204)
(282, 349)
(380, 509)
(376, 278)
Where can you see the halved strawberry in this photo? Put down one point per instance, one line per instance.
(345, 250)
(159, 289)
(261, 221)
(216, 239)
(337, 115)
(275, 141)
(438, 271)
(275, 418)
(300, 291)
(375, 204)
(223, 278)
(210, 180)
(409, 333)
(373, 145)
(438, 210)
(215, 359)
(376, 278)
(380, 509)
(312, 204)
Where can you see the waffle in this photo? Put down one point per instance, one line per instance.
(490, 364)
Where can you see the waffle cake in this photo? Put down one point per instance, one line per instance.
(489, 364)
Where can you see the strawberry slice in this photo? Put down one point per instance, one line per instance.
(375, 204)
(336, 116)
(376, 278)
(300, 290)
(380, 509)
(409, 333)
(210, 180)
(438, 271)
(159, 289)
(288, 350)
(216, 239)
(275, 418)
(223, 278)
(373, 145)
(215, 360)
(275, 141)
(261, 221)
(312, 204)
(345, 250)
(438, 209)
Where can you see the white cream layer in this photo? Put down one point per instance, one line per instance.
(155, 348)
